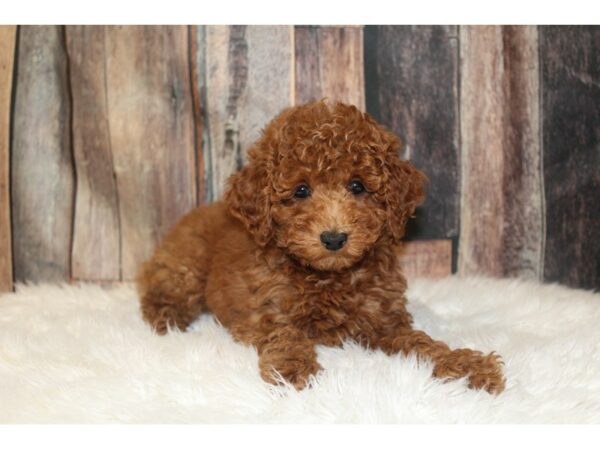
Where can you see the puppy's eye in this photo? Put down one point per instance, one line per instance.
(302, 191)
(356, 187)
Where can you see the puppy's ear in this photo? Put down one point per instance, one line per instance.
(405, 190)
(248, 199)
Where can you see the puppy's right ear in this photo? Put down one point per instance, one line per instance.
(249, 200)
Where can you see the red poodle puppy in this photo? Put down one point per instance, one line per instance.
(302, 251)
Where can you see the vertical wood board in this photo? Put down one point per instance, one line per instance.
(412, 88)
(7, 53)
(570, 58)
(501, 192)
(197, 44)
(42, 180)
(329, 63)
(427, 259)
(96, 248)
(248, 79)
(150, 113)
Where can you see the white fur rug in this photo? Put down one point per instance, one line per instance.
(83, 354)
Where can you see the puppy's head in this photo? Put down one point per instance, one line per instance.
(325, 184)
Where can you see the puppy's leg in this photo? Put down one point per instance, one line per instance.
(172, 283)
(483, 371)
(171, 292)
(289, 352)
(170, 296)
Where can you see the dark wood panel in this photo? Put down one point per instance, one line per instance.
(7, 53)
(570, 64)
(411, 87)
(248, 80)
(42, 179)
(198, 79)
(150, 110)
(501, 192)
(329, 63)
(96, 248)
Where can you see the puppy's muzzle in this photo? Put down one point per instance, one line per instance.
(332, 240)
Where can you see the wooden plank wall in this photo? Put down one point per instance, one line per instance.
(118, 131)
(7, 52)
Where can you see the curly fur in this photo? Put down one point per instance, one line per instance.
(257, 263)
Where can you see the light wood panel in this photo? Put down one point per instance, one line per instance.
(501, 192)
(329, 63)
(96, 247)
(150, 111)
(427, 259)
(7, 53)
(248, 80)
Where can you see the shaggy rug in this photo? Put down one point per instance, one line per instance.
(83, 354)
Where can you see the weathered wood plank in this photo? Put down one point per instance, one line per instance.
(198, 79)
(248, 79)
(501, 193)
(570, 58)
(329, 63)
(411, 87)
(428, 259)
(95, 254)
(151, 134)
(42, 180)
(7, 53)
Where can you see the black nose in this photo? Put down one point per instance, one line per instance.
(332, 240)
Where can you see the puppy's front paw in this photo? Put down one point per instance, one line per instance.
(163, 313)
(294, 369)
(486, 373)
(160, 318)
(483, 372)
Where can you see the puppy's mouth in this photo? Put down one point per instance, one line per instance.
(335, 251)
(332, 257)
(334, 263)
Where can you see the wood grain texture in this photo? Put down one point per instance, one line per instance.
(42, 180)
(151, 127)
(329, 63)
(198, 80)
(411, 87)
(570, 58)
(501, 201)
(248, 80)
(7, 54)
(426, 259)
(96, 248)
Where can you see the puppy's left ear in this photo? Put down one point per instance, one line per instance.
(249, 200)
(405, 191)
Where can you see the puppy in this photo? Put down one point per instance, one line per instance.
(302, 251)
